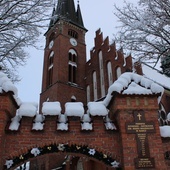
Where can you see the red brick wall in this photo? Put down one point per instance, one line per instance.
(124, 107)
(109, 54)
(20, 142)
(119, 145)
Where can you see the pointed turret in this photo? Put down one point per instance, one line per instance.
(52, 21)
(66, 11)
(79, 16)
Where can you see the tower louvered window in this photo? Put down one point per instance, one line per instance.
(72, 66)
(73, 33)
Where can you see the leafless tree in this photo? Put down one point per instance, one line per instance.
(145, 29)
(20, 23)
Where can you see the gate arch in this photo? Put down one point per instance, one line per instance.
(62, 148)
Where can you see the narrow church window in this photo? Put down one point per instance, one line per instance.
(50, 68)
(73, 33)
(95, 85)
(88, 93)
(102, 83)
(109, 72)
(72, 66)
(50, 75)
(118, 72)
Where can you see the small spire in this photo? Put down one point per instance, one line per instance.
(78, 1)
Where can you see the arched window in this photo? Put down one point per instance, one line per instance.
(73, 33)
(95, 85)
(102, 82)
(118, 72)
(50, 68)
(88, 93)
(109, 72)
(72, 66)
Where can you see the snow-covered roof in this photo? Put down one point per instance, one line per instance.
(130, 84)
(156, 76)
(6, 85)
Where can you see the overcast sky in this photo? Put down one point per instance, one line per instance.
(96, 14)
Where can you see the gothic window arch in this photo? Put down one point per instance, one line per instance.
(50, 68)
(95, 85)
(73, 33)
(72, 66)
(102, 80)
(118, 72)
(109, 73)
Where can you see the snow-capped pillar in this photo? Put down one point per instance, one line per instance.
(139, 130)
(8, 108)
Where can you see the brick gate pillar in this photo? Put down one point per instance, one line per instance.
(139, 129)
(8, 108)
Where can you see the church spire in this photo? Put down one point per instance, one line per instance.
(66, 11)
(79, 16)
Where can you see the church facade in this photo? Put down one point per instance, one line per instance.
(102, 114)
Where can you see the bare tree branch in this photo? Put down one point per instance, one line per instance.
(145, 29)
(20, 24)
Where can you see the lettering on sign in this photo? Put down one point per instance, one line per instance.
(142, 128)
(144, 163)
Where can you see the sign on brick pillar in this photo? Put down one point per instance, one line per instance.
(142, 129)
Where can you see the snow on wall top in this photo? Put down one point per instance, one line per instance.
(131, 83)
(127, 83)
(74, 109)
(6, 86)
(156, 76)
(51, 108)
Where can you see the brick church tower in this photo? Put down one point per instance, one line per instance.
(64, 56)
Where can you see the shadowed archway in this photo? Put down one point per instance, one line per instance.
(77, 151)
